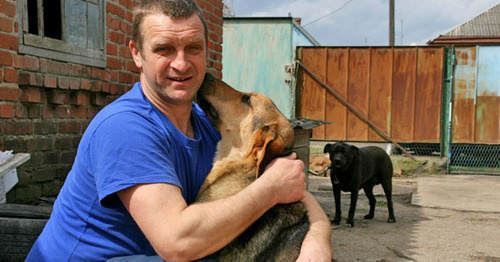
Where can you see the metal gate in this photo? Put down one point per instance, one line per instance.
(474, 128)
(422, 97)
(397, 88)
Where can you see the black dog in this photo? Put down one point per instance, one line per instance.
(354, 168)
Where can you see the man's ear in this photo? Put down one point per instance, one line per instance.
(136, 54)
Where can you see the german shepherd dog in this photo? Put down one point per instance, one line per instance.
(253, 132)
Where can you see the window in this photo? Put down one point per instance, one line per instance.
(67, 30)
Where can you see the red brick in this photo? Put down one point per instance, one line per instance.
(10, 75)
(114, 9)
(114, 63)
(78, 112)
(6, 25)
(85, 84)
(125, 52)
(105, 87)
(47, 112)
(113, 23)
(125, 28)
(8, 8)
(20, 128)
(26, 78)
(6, 111)
(113, 76)
(9, 94)
(8, 42)
(59, 68)
(118, 38)
(81, 71)
(59, 98)
(21, 111)
(74, 83)
(81, 99)
(31, 96)
(62, 112)
(32, 63)
(50, 81)
(126, 78)
(95, 86)
(100, 74)
(5, 58)
(63, 82)
(35, 111)
(69, 127)
(132, 67)
(111, 49)
(97, 100)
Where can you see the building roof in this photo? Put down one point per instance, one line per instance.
(483, 29)
(486, 24)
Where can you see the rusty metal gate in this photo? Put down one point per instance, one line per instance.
(474, 128)
(437, 97)
(398, 88)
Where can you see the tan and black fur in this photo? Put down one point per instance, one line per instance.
(253, 132)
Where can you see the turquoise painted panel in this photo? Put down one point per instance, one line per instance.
(254, 56)
(488, 77)
(300, 39)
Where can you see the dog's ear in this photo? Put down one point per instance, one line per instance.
(355, 150)
(267, 147)
(327, 148)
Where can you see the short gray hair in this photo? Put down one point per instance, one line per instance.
(171, 8)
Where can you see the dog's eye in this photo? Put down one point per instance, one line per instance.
(246, 99)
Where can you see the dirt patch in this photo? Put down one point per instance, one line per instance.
(419, 234)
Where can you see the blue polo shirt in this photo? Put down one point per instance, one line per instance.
(129, 142)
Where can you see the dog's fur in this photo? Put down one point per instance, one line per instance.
(354, 168)
(253, 132)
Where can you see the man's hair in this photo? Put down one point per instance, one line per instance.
(172, 8)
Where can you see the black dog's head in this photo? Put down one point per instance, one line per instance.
(341, 155)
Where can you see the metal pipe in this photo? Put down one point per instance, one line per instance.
(353, 110)
(450, 113)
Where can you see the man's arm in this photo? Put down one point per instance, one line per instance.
(317, 245)
(181, 232)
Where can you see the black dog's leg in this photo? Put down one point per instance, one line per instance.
(387, 186)
(352, 208)
(338, 212)
(369, 193)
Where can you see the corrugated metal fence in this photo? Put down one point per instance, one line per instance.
(436, 96)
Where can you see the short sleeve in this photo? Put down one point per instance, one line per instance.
(129, 149)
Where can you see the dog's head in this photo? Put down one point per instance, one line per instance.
(250, 124)
(341, 154)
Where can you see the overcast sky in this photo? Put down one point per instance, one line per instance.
(366, 22)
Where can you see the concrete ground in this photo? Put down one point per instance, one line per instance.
(439, 218)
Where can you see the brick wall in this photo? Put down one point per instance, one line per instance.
(45, 105)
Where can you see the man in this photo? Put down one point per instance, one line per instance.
(144, 157)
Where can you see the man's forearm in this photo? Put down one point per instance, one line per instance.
(317, 244)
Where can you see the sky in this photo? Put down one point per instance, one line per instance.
(366, 22)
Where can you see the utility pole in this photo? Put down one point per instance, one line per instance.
(391, 22)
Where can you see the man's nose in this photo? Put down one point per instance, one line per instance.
(180, 62)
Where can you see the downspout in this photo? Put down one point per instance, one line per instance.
(450, 110)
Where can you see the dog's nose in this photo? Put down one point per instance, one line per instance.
(336, 161)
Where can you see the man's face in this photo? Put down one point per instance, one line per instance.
(173, 57)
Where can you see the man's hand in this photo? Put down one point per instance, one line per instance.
(286, 176)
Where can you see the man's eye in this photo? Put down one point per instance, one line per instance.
(163, 49)
(246, 99)
(194, 49)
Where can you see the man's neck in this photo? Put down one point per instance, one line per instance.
(178, 114)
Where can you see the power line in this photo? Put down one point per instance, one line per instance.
(329, 14)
